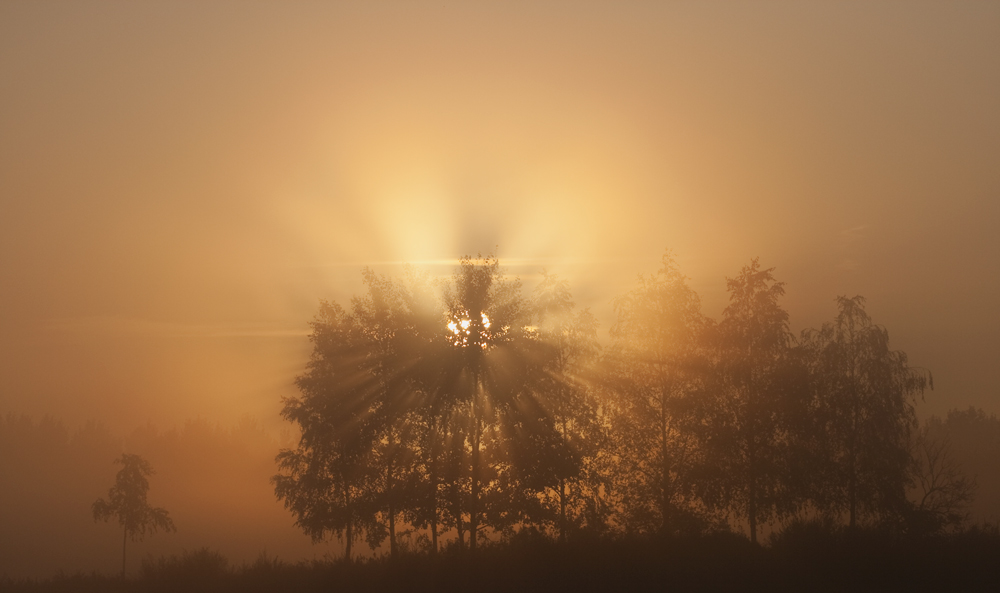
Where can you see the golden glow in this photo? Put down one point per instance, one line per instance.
(460, 328)
(176, 199)
(463, 333)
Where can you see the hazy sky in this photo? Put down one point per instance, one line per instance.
(180, 183)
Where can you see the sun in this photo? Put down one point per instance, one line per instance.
(463, 331)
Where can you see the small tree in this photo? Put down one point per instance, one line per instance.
(943, 492)
(127, 502)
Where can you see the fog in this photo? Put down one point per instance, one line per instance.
(213, 480)
(180, 185)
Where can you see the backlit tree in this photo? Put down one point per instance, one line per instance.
(866, 396)
(746, 437)
(656, 362)
(127, 503)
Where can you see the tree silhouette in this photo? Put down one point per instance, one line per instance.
(974, 443)
(656, 359)
(866, 413)
(127, 502)
(382, 319)
(744, 434)
(566, 393)
(943, 491)
(326, 481)
(491, 368)
(461, 405)
(413, 405)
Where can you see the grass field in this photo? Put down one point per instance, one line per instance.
(805, 559)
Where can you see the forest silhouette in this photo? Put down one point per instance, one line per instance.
(470, 434)
(503, 415)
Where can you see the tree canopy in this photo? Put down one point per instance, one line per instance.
(461, 411)
(865, 404)
(127, 503)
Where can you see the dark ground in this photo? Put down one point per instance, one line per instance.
(804, 561)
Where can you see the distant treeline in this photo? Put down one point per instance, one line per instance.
(452, 413)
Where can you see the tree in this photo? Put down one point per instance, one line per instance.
(327, 482)
(395, 391)
(127, 502)
(865, 406)
(382, 319)
(567, 395)
(973, 438)
(943, 491)
(489, 369)
(745, 434)
(656, 359)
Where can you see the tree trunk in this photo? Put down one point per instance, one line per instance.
(350, 526)
(389, 486)
(664, 466)
(350, 540)
(852, 485)
(124, 541)
(434, 533)
(751, 418)
(752, 502)
(562, 510)
(477, 432)
(392, 531)
(474, 510)
(853, 497)
(433, 505)
(564, 488)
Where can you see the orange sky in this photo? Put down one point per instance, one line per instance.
(180, 183)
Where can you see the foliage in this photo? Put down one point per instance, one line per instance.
(745, 434)
(943, 491)
(571, 498)
(432, 416)
(127, 502)
(188, 568)
(656, 365)
(462, 410)
(865, 394)
(973, 439)
(325, 481)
